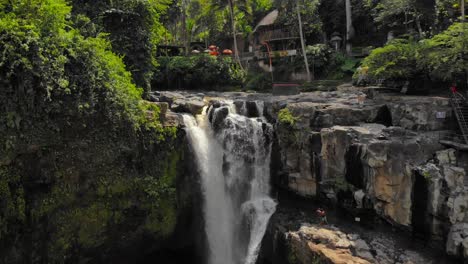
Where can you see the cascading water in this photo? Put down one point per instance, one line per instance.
(233, 157)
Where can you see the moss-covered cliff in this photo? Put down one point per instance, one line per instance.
(87, 170)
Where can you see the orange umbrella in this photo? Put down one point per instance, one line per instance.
(227, 52)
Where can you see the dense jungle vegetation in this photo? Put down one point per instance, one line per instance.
(88, 171)
(388, 24)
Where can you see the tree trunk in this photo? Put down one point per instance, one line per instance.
(418, 25)
(184, 28)
(349, 25)
(462, 6)
(303, 43)
(236, 50)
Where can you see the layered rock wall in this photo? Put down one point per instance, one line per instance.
(369, 158)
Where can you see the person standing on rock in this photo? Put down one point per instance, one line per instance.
(455, 92)
(361, 98)
(323, 216)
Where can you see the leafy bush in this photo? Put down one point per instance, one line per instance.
(320, 58)
(133, 27)
(396, 60)
(440, 58)
(258, 81)
(324, 63)
(285, 117)
(445, 56)
(342, 67)
(198, 72)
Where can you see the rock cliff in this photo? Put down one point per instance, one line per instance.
(382, 157)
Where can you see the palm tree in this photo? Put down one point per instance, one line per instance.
(230, 4)
(234, 32)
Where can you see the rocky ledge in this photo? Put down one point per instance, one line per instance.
(329, 244)
(384, 156)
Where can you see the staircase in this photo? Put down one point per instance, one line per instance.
(460, 107)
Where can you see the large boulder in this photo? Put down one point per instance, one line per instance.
(420, 113)
(313, 244)
(319, 244)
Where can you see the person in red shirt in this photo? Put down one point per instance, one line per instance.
(323, 216)
(453, 88)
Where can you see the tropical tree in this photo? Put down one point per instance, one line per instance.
(231, 5)
(134, 28)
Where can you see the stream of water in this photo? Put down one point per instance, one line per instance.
(233, 156)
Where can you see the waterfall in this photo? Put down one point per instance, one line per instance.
(233, 156)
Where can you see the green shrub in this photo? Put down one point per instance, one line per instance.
(132, 26)
(444, 57)
(285, 117)
(258, 81)
(396, 60)
(440, 58)
(324, 63)
(198, 72)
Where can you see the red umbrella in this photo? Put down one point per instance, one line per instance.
(227, 52)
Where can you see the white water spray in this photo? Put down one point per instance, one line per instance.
(233, 157)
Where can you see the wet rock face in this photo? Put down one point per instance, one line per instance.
(368, 157)
(447, 201)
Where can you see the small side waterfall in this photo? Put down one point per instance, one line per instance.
(233, 157)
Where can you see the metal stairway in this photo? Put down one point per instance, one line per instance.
(460, 107)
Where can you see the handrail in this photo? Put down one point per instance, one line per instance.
(458, 102)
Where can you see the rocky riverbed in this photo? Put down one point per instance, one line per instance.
(383, 157)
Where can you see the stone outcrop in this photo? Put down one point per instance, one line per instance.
(447, 201)
(370, 157)
(312, 243)
(180, 102)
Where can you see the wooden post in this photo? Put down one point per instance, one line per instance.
(303, 43)
(462, 6)
(349, 25)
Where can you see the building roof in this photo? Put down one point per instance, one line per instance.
(268, 19)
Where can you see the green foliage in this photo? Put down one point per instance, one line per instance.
(285, 117)
(427, 175)
(49, 64)
(442, 57)
(324, 63)
(330, 64)
(321, 59)
(12, 208)
(445, 55)
(396, 60)
(134, 29)
(210, 20)
(292, 257)
(201, 71)
(312, 23)
(78, 146)
(258, 80)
